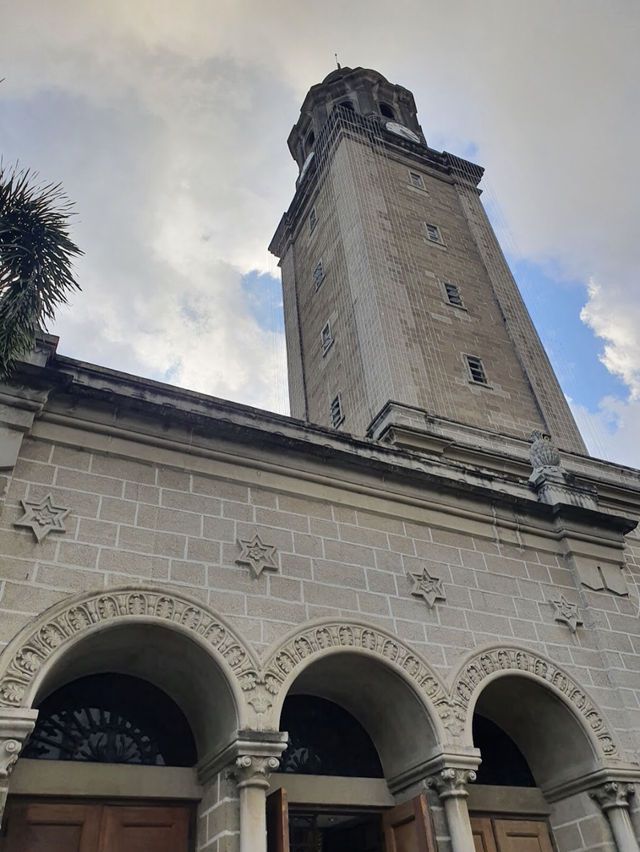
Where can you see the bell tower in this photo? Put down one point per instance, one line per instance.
(399, 305)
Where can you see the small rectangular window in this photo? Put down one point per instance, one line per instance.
(433, 233)
(318, 275)
(313, 219)
(416, 180)
(476, 369)
(453, 295)
(327, 338)
(337, 416)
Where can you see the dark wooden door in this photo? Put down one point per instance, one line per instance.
(66, 827)
(277, 821)
(495, 834)
(407, 827)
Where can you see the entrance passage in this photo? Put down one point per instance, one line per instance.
(493, 834)
(65, 827)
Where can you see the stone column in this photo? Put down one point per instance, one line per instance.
(15, 726)
(451, 785)
(613, 798)
(252, 775)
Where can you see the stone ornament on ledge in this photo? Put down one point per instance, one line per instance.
(427, 587)
(257, 555)
(42, 517)
(543, 453)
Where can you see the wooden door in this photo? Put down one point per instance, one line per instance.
(44, 827)
(278, 821)
(495, 834)
(66, 827)
(407, 827)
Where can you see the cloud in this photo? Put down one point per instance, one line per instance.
(168, 127)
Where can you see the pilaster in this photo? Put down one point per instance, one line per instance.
(613, 798)
(15, 727)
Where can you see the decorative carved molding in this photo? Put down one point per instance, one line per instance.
(613, 794)
(42, 517)
(427, 587)
(451, 782)
(15, 727)
(257, 555)
(518, 660)
(254, 771)
(70, 619)
(316, 639)
(566, 613)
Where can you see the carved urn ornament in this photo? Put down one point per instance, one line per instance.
(543, 453)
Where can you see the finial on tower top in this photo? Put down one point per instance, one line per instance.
(337, 63)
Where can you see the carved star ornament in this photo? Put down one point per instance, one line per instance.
(257, 555)
(427, 587)
(567, 613)
(42, 517)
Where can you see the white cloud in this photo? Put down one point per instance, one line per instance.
(168, 125)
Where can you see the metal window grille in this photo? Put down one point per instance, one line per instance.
(477, 370)
(313, 219)
(336, 412)
(453, 295)
(318, 275)
(416, 180)
(327, 337)
(433, 232)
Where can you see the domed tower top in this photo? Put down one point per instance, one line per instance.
(362, 90)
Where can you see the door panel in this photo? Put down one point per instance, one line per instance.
(64, 827)
(278, 821)
(144, 829)
(483, 838)
(44, 827)
(521, 835)
(407, 827)
(492, 834)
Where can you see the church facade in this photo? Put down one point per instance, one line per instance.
(405, 618)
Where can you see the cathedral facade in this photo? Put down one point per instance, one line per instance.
(404, 619)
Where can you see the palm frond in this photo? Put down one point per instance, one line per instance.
(36, 256)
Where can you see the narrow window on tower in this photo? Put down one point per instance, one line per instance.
(453, 295)
(416, 180)
(313, 219)
(337, 417)
(476, 369)
(318, 275)
(327, 338)
(387, 111)
(433, 233)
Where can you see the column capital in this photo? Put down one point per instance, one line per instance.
(451, 782)
(15, 727)
(252, 770)
(613, 794)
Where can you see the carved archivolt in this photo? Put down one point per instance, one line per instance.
(62, 624)
(519, 661)
(322, 637)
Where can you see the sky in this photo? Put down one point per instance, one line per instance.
(167, 123)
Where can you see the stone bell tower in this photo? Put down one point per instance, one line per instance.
(399, 305)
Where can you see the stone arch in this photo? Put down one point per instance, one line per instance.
(544, 710)
(382, 682)
(149, 632)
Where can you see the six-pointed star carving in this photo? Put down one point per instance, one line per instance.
(257, 555)
(567, 612)
(427, 587)
(42, 517)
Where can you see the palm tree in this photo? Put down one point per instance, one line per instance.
(36, 256)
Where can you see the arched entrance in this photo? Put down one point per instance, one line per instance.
(100, 667)
(361, 733)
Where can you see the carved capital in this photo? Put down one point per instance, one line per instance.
(254, 770)
(451, 782)
(613, 794)
(15, 727)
